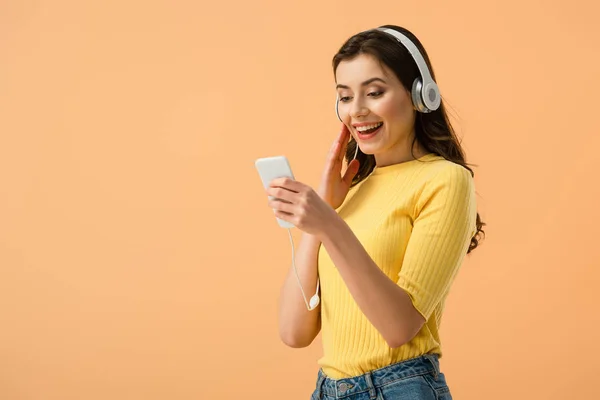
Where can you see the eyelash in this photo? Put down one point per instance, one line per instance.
(375, 94)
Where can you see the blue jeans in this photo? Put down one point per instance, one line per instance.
(416, 379)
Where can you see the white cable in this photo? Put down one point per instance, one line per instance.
(314, 301)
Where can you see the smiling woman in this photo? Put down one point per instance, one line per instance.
(377, 109)
(386, 238)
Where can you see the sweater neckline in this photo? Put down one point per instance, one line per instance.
(398, 166)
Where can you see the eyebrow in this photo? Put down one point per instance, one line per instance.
(365, 83)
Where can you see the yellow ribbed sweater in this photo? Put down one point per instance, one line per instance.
(415, 219)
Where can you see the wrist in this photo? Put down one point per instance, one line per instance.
(311, 239)
(321, 194)
(332, 227)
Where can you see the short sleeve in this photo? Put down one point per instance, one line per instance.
(442, 230)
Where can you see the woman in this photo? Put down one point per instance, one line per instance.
(386, 238)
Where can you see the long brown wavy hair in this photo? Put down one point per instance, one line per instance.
(433, 130)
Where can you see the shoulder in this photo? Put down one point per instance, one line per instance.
(444, 180)
(442, 172)
(440, 168)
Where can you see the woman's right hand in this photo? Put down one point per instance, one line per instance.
(334, 187)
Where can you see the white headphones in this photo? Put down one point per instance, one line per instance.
(425, 92)
(425, 97)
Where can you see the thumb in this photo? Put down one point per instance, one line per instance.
(351, 171)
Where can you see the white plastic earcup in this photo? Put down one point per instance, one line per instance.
(416, 96)
(430, 94)
(425, 98)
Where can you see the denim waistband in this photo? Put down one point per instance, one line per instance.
(340, 388)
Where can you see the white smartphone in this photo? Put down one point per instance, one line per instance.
(270, 168)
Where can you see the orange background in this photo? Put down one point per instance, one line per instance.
(139, 258)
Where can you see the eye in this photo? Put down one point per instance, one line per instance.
(375, 94)
(344, 99)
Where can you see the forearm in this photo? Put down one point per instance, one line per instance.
(297, 325)
(387, 306)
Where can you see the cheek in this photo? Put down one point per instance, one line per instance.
(398, 110)
(387, 109)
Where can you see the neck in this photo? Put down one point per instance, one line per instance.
(397, 156)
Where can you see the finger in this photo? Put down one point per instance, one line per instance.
(332, 156)
(351, 172)
(333, 149)
(344, 138)
(284, 216)
(281, 194)
(336, 155)
(286, 183)
(281, 206)
(279, 200)
(338, 144)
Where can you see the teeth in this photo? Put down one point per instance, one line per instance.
(367, 127)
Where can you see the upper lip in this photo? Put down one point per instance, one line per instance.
(359, 124)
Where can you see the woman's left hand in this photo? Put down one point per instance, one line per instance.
(300, 205)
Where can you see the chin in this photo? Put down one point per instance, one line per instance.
(370, 152)
(378, 143)
(371, 148)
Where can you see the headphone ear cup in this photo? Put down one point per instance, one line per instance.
(416, 94)
(431, 96)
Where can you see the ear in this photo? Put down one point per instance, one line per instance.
(409, 95)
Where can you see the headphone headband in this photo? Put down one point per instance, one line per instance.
(425, 92)
(429, 90)
(414, 52)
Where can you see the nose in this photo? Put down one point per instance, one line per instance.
(358, 109)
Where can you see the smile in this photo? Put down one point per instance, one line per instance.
(368, 131)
